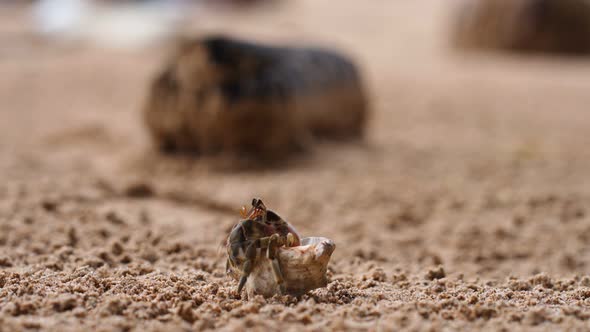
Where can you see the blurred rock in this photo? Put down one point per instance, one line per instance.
(219, 95)
(548, 26)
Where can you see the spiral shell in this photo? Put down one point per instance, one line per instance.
(303, 267)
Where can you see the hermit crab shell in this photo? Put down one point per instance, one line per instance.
(303, 268)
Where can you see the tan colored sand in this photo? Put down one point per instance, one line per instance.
(467, 208)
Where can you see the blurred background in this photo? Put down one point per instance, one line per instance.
(446, 124)
(75, 74)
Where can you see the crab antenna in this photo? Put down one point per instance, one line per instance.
(244, 212)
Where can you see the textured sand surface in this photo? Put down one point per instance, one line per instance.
(466, 208)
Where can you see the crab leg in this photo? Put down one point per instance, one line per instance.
(248, 264)
(273, 244)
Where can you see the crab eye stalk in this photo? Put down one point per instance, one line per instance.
(257, 203)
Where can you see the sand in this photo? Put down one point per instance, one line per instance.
(467, 207)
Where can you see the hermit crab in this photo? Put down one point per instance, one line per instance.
(267, 255)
